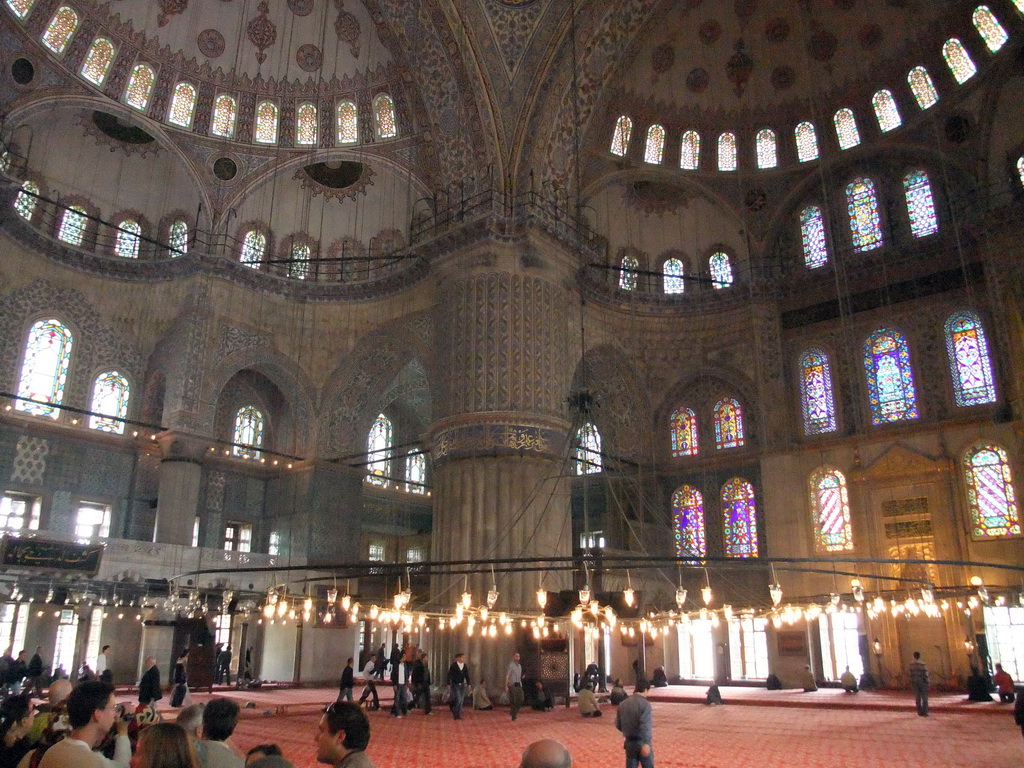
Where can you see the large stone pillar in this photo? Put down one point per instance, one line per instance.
(181, 476)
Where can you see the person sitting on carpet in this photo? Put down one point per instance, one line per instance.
(541, 698)
(977, 687)
(660, 678)
(481, 701)
(618, 694)
(848, 681)
(588, 705)
(807, 681)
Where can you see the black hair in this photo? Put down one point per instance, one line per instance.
(641, 686)
(219, 719)
(267, 749)
(350, 718)
(13, 710)
(90, 696)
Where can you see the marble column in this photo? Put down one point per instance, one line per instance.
(181, 476)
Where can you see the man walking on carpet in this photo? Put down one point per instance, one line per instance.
(514, 685)
(635, 721)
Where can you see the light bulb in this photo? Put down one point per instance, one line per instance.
(628, 596)
(282, 608)
(307, 605)
(346, 603)
(467, 599)
(585, 594)
(680, 597)
(775, 590)
(706, 594)
(542, 597)
(928, 593)
(492, 596)
(332, 595)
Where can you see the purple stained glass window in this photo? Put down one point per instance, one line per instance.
(816, 393)
(831, 506)
(688, 522)
(739, 513)
(728, 424)
(970, 365)
(862, 206)
(684, 432)
(812, 232)
(920, 205)
(990, 493)
(890, 379)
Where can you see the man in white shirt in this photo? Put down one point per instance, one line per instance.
(102, 670)
(92, 711)
(219, 720)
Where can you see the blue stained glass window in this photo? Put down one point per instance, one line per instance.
(628, 273)
(620, 139)
(891, 394)
(816, 397)
(378, 449)
(920, 205)
(806, 142)
(588, 450)
(831, 507)
(248, 434)
(973, 382)
(721, 270)
(655, 145)
(885, 110)
(683, 426)
(126, 245)
(110, 394)
(44, 372)
(739, 512)
(72, 225)
(990, 494)
(253, 247)
(672, 276)
(846, 128)
(728, 424)
(865, 222)
(812, 231)
(688, 523)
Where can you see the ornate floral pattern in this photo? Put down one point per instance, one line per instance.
(309, 57)
(170, 8)
(211, 43)
(261, 32)
(301, 7)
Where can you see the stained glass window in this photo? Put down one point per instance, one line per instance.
(1020, 169)
(688, 522)
(588, 450)
(990, 493)
(378, 449)
(969, 362)
(25, 202)
(178, 240)
(384, 115)
(922, 86)
(253, 246)
(225, 110)
(812, 231)
(140, 85)
(891, 393)
(620, 137)
(306, 123)
(958, 60)
(846, 128)
(98, 61)
(127, 243)
(348, 123)
(727, 152)
(689, 156)
(45, 370)
(60, 29)
(920, 205)
(72, 225)
(248, 434)
(728, 424)
(415, 473)
(110, 394)
(830, 504)
(806, 142)
(885, 110)
(816, 399)
(628, 273)
(767, 154)
(266, 122)
(683, 426)
(183, 105)
(739, 513)
(21, 7)
(865, 223)
(672, 276)
(299, 265)
(655, 145)
(721, 270)
(989, 28)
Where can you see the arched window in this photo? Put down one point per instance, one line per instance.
(178, 240)
(958, 60)
(672, 276)
(688, 522)
(989, 28)
(183, 105)
(1020, 170)
(298, 267)
(628, 273)
(25, 202)
(72, 225)
(20, 8)
(225, 110)
(655, 145)
(127, 243)
(969, 362)
(830, 506)
(806, 142)
(891, 393)
(727, 152)
(767, 154)
(728, 424)
(266, 122)
(248, 434)
(812, 232)
(348, 123)
(306, 125)
(140, 85)
(922, 86)
(885, 110)
(109, 406)
(990, 493)
(60, 29)
(846, 128)
(378, 449)
(920, 205)
(384, 116)
(254, 245)
(865, 223)
(689, 155)
(816, 398)
(620, 137)
(415, 473)
(683, 426)
(588, 450)
(721, 270)
(739, 518)
(98, 61)
(44, 373)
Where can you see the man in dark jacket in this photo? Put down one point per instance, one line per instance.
(458, 680)
(149, 685)
(421, 682)
(347, 682)
(35, 672)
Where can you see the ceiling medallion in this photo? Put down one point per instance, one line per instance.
(783, 77)
(309, 57)
(662, 58)
(739, 68)
(301, 7)
(698, 80)
(211, 43)
(261, 32)
(709, 32)
(346, 26)
(170, 8)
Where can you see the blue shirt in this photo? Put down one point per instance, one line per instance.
(634, 719)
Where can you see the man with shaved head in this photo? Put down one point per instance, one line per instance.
(546, 753)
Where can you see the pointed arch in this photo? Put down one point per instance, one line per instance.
(266, 122)
(44, 370)
(891, 394)
(830, 508)
(589, 460)
(767, 149)
(621, 135)
(806, 142)
(183, 105)
(306, 125)
(729, 432)
(688, 523)
(60, 29)
(990, 493)
(739, 518)
(846, 128)
(384, 116)
(727, 152)
(248, 432)
(655, 147)
(689, 155)
(886, 112)
(347, 117)
(817, 400)
(225, 110)
(97, 61)
(110, 394)
(379, 446)
(969, 361)
(140, 86)
(683, 430)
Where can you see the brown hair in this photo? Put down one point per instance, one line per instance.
(166, 745)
